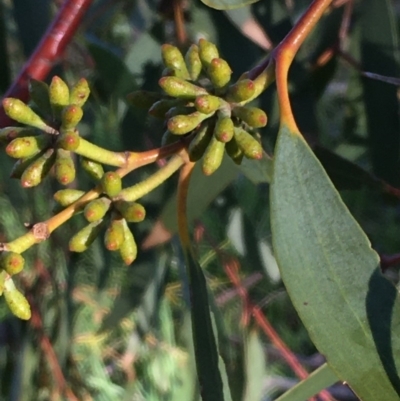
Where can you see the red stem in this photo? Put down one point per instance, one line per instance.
(232, 271)
(48, 51)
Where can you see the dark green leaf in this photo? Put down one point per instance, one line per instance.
(205, 347)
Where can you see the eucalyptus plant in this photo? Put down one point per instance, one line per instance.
(332, 275)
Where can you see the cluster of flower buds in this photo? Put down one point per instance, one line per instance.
(200, 102)
(107, 212)
(46, 143)
(51, 132)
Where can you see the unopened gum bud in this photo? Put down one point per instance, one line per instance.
(213, 156)
(111, 183)
(19, 111)
(79, 93)
(179, 88)
(193, 62)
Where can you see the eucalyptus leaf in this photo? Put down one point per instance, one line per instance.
(332, 275)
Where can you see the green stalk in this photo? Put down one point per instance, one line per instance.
(143, 188)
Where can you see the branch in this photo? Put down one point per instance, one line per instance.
(277, 64)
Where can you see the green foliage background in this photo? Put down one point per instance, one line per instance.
(124, 332)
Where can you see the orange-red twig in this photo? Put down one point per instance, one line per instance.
(49, 50)
(179, 19)
(231, 269)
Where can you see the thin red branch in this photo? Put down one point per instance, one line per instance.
(49, 50)
(181, 36)
(232, 269)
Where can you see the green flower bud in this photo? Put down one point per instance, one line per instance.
(70, 116)
(233, 151)
(179, 88)
(219, 72)
(58, 95)
(17, 303)
(81, 241)
(64, 167)
(248, 144)
(66, 197)
(180, 125)
(111, 183)
(22, 113)
(69, 140)
(172, 58)
(143, 99)
(11, 262)
(79, 93)
(7, 134)
(133, 212)
(193, 62)
(224, 129)
(128, 249)
(94, 169)
(27, 146)
(252, 116)
(199, 143)
(38, 169)
(161, 107)
(22, 164)
(39, 94)
(241, 91)
(207, 103)
(96, 209)
(207, 52)
(115, 234)
(213, 156)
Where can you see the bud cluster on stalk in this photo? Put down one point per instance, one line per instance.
(108, 213)
(46, 143)
(200, 102)
(49, 135)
